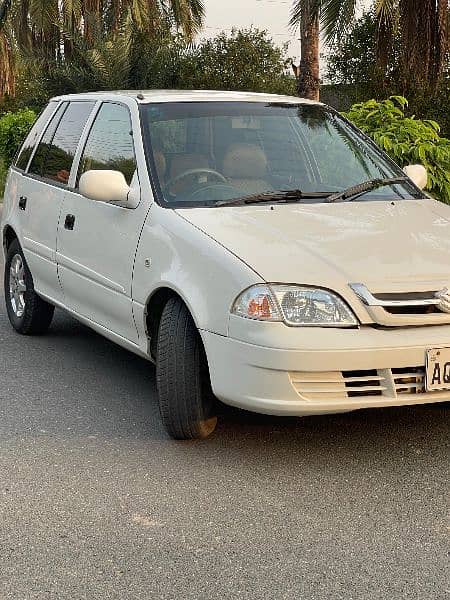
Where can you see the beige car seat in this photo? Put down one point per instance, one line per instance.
(245, 166)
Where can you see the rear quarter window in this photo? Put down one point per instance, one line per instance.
(30, 141)
(55, 153)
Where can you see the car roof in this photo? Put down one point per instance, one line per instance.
(148, 96)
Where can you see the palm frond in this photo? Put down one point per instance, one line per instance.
(187, 15)
(386, 11)
(336, 16)
(4, 10)
(302, 9)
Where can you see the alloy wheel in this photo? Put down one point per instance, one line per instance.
(17, 286)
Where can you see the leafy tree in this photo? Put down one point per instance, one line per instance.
(353, 59)
(245, 60)
(352, 68)
(13, 129)
(406, 139)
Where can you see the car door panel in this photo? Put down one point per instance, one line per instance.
(95, 261)
(96, 257)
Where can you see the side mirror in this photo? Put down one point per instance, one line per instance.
(418, 174)
(104, 186)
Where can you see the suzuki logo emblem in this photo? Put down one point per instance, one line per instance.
(444, 300)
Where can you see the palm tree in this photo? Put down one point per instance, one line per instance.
(52, 30)
(421, 26)
(306, 15)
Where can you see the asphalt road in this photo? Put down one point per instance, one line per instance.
(97, 503)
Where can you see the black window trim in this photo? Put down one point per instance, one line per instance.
(158, 195)
(38, 141)
(63, 112)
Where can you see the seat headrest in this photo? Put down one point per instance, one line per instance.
(245, 161)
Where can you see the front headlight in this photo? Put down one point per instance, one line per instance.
(295, 305)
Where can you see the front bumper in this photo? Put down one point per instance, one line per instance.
(327, 371)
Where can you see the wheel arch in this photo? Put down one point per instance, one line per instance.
(153, 311)
(8, 236)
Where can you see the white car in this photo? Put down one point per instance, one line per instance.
(260, 249)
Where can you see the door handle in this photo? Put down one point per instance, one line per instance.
(69, 222)
(22, 202)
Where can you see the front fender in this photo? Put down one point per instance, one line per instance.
(173, 253)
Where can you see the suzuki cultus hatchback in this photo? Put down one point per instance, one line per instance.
(260, 249)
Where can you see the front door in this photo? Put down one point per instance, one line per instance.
(97, 241)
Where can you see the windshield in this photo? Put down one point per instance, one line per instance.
(204, 153)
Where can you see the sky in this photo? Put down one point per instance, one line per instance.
(272, 15)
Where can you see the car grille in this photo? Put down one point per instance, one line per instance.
(335, 385)
(409, 309)
(409, 381)
(397, 309)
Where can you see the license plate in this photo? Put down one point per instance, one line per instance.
(438, 369)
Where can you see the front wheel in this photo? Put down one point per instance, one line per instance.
(27, 312)
(186, 402)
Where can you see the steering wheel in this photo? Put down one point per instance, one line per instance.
(191, 172)
(221, 191)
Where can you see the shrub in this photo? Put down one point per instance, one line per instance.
(406, 139)
(13, 129)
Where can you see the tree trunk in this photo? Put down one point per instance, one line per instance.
(424, 39)
(7, 72)
(308, 80)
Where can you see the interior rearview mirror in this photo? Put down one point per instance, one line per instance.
(418, 174)
(104, 186)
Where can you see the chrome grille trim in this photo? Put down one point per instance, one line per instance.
(370, 300)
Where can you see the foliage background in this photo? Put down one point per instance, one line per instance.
(128, 56)
(407, 140)
(14, 127)
(351, 75)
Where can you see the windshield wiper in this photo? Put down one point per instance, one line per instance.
(271, 196)
(355, 191)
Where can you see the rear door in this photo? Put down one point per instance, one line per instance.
(15, 199)
(97, 240)
(42, 192)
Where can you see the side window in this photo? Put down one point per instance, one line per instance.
(54, 155)
(110, 142)
(30, 141)
(37, 164)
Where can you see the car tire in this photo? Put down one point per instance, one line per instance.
(186, 401)
(27, 312)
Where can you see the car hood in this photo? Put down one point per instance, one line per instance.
(389, 246)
